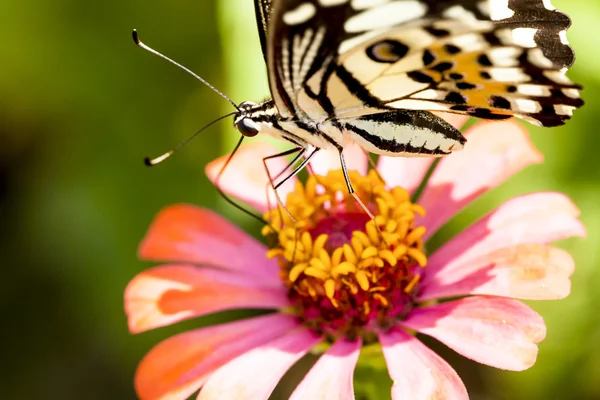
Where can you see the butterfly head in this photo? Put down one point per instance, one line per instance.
(243, 120)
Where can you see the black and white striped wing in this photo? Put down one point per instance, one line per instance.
(349, 58)
(262, 9)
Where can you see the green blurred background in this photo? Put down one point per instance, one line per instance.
(80, 106)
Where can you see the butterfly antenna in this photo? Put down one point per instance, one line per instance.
(153, 161)
(141, 45)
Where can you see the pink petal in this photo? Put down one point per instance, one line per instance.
(456, 120)
(326, 160)
(254, 374)
(534, 218)
(418, 373)
(525, 271)
(408, 172)
(178, 366)
(171, 293)
(494, 331)
(331, 376)
(494, 152)
(245, 177)
(195, 235)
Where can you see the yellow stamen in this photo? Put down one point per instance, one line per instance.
(351, 285)
(415, 235)
(411, 285)
(330, 288)
(370, 251)
(382, 299)
(388, 256)
(391, 225)
(400, 251)
(372, 231)
(368, 263)
(403, 228)
(319, 243)
(383, 209)
(364, 239)
(343, 269)
(316, 273)
(357, 246)
(363, 281)
(272, 253)
(366, 308)
(349, 254)
(317, 263)
(296, 271)
(417, 209)
(307, 242)
(418, 256)
(325, 259)
(336, 257)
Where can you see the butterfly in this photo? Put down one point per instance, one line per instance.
(374, 71)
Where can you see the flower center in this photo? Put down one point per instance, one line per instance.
(348, 275)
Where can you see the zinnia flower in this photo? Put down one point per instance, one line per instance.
(337, 277)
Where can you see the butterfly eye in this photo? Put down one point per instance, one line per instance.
(248, 128)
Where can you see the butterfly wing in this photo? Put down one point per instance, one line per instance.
(477, 68)
(360, 67)
(262, 9)
(348, 59)
(541, 23)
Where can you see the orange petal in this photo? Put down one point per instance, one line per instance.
(245, 178)
(178, 366)
(494, 152)
(171, 293)
(525, 271)
(195, 235)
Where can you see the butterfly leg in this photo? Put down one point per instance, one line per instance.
(300, 167)
(349, 184)
(271, 183)
(292, 174)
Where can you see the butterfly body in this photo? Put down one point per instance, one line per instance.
(395, 133)
(372, 71)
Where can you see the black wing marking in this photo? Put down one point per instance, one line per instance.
(403, 132)
(262, 8)
(549, 24)
(303, 38)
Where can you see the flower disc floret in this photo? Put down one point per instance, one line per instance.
(347, 274)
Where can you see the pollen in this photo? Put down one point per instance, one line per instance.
(346, 273)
